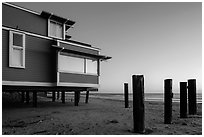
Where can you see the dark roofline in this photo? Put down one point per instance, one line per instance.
(52, 16)
(21, 8)
(101, 57)
(66, 21)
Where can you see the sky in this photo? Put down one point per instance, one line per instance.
(157, 40)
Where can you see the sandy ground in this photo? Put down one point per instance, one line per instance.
(98, 117)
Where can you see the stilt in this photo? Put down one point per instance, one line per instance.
(53, 96)
(45, 93)
(27, 97)
(58, 94)
(76, 98)
(87, 97)
(63, 97)
(34, 98)
(22, 96)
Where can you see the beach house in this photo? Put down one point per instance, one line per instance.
(38, 55)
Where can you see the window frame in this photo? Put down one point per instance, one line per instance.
(63, 29)
(84, 65)
(12, 46)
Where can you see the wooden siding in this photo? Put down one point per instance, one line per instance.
(79, 49)
(22, 20)
(78, 78)
(40, 61)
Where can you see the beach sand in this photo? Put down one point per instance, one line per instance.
(98, 117)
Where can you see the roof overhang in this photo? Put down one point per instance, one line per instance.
(64, 49)
(52, 16)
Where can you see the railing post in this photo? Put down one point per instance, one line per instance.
(126, 95)
(192, 107)
(168, 95)
(183, 99)
(138, 103)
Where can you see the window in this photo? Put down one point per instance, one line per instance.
(16, 49)
(91, 66)
(55, 29)
(71, 64)
(76, 64)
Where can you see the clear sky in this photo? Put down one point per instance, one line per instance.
(158, 40)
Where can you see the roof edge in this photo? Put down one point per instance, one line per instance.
(21, 8)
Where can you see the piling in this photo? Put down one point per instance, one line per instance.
(22, 96)
(126, 95)
(34, 98)
(58, 94)
(53, 96)
(27, 97)
(87, 97)
(192, 106)
(76, 98)
(183, 99)
(63, 97)
(138, 103)
(168, 95)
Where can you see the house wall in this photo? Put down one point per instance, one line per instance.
(78, 78)
(22, 20)
(40, 56)
(40, 61)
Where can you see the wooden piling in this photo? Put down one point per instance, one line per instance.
(22, 96)
(192, 102)
(87, 97)
(76, 98)
(27, 97)
(168, 95)
(58, 94)
(138, 103)
(126, 95)
(183, 99)
(34, 98)
(63, 96)
(53, 96)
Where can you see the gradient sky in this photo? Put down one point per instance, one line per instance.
(158, 40)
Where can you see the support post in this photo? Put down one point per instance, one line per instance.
(168, 95)
(183, 99)
(27, 97)
(34, 98)
(192, 106)
(58, 94)
(53, 96)
(126, 95)
(76, 98)
(87, 97)
(22, 96)
(63, 97)
(138, 103)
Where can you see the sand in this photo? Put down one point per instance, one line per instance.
(98, 117)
